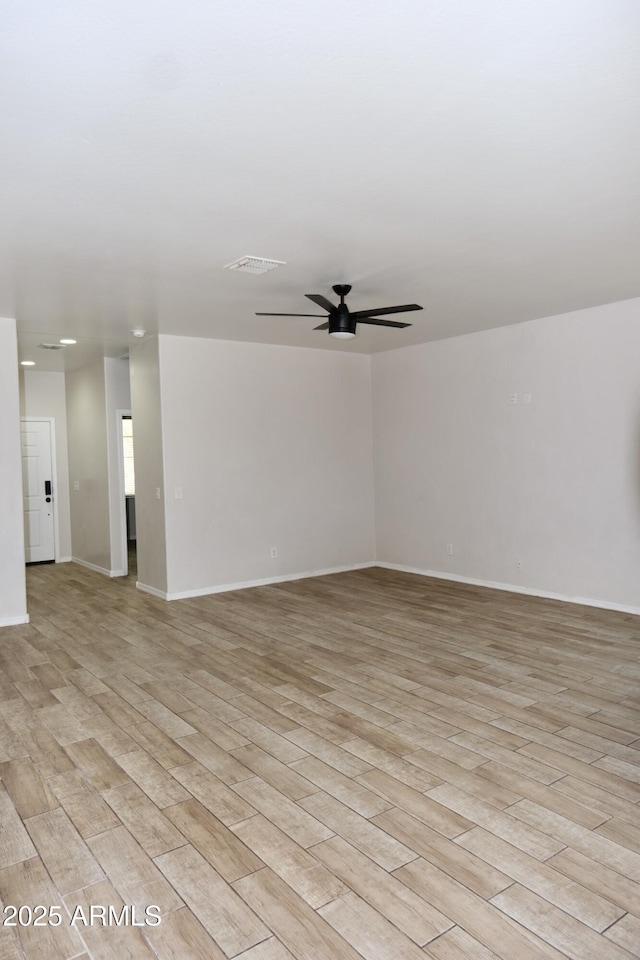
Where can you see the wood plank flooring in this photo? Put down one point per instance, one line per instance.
(368, 765)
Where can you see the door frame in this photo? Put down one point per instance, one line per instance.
(54, 477)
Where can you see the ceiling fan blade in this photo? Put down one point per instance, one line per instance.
(361, 314)
(321, 301)
(382, 323)
(316, 315)
(323, 326)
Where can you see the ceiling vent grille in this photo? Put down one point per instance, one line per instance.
(254, 265)
(51, 346)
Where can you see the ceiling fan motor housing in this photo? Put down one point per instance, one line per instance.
(341, 321)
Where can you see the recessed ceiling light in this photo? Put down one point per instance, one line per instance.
(27, 363)
(68, 341)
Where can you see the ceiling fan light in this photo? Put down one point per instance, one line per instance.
(342, 334)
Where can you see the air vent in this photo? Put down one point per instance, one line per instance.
(254, 265)
(51, 346)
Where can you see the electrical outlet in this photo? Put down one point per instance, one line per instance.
(274, 553)
(513, 398)
(519, 565)
(157, 493)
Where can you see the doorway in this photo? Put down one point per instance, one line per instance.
(38, 486)
(128, 489)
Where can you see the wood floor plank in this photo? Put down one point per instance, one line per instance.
(82, 803)
(457, 944)
(506, 938)
(502, 823)
(225, 766)
(65, 854)
(283, 777)
(365, 836)
(165, 719)
(29, 792)
(603, 880)
(132, 872)
(15, 843)
(373, 936)
(556, 797)
(556, 927)
(60, 721)
(298, 868)
(269, 740)
(626, 933)
(181, 936)
(216, 796)
(292, 818)
(29, 883)
(105, 940)
(352, 792)
(108, 734)
(337, 757)
(272, 949)
(585, 841)
(158, 745)
(216, 842)
(607, 779)
(401, 768)
(144, 821)
(542, 879)
(161, 788)
(96, 764)
(382, 891)
(440, 817)
(463, 866)
(215, 730)
(305, 934)
(223, 914)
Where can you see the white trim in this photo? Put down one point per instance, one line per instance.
(145, 588)
(14, 621)
(513, 588)
(285, 578)
(96, 569)
(54, 477)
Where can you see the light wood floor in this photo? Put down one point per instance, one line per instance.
(370, 764)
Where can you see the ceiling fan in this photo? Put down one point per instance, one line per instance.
(341, 322)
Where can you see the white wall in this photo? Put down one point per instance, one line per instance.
(269, 447)
(555, 484)
(44, 396)
(117, 397)
(13, 600)
(146, 409)
(88, 466)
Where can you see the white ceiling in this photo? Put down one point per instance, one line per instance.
(481, 159)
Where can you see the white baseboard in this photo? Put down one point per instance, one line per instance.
(513, 588)
(65, 560)
(14, 621)
(285, 578)
(145, 588)
(96, 569)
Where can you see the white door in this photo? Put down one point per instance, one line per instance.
(37, 482)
